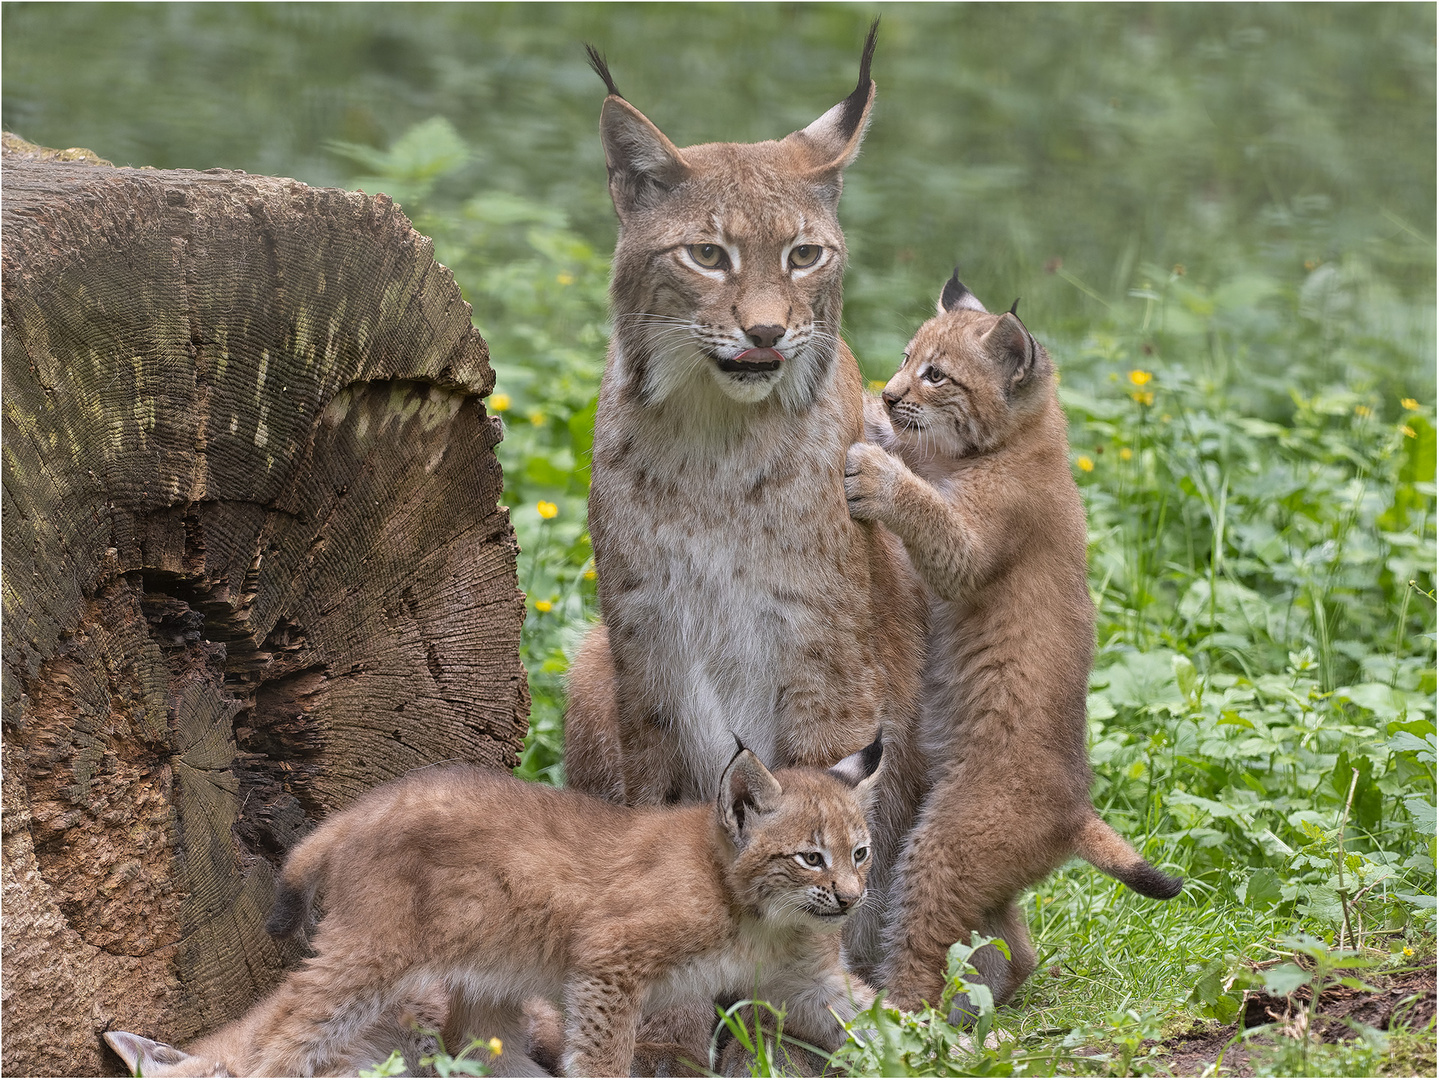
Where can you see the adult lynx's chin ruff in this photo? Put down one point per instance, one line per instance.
(976, 482)
(737, 593)
(497, 891)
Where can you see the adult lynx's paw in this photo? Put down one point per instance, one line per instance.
(870, 477)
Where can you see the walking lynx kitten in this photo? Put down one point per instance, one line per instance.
(499, 891)
(737, 593)
(972, 473)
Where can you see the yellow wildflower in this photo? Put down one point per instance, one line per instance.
(1363, 410)
(1410, 404)
(543, 606)
(537, 417)
(1125, 453)
(1144, 397)
(1139, 378)
(1407, 430)
(496, 1047)
(1408, 951)
(563, 279)
(1085, 463)
(547, 509)
(876, 384)
(499, 402)
(589, 575)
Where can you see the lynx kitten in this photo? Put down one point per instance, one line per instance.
(972, 473)
(499, 891)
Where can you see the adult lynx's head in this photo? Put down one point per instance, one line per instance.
(728, 270)
(969, 379)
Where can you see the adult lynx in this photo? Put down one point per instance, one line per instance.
(498, 891)
(977, 484)
(737, 593)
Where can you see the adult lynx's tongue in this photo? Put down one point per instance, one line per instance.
(753, 360)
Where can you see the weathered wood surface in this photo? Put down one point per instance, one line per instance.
(253, 565)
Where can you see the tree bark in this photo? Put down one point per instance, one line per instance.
(253, 566)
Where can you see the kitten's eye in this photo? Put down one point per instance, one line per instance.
(811, 858)
(933, 376)
(804, 255)
(710, 256)
(860, 854)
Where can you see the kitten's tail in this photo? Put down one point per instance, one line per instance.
(1106, 850)
(295, 887)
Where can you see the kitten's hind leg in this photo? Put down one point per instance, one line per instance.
(471, 1019)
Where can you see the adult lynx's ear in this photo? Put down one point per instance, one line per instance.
(746, 788)
(641, 162)
(860, 768)
(955, 297)
(146, 1057)
(832, 142)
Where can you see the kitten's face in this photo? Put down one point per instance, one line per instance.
(968, 377)
(805, 862)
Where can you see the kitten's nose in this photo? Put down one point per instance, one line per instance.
(764, 337)
(890, 398)
(847, 900)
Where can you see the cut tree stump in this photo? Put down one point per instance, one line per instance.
(253, 566)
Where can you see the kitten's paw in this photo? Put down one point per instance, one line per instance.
(869, 479)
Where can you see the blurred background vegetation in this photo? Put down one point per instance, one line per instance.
(1220, 219)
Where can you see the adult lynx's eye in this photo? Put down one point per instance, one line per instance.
(710, 256)
(804, 255)
(860, 854)
(811, 858)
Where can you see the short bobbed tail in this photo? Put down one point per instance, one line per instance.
(1109, 852)
(296, 884)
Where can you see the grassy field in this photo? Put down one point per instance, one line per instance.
(1221, 220)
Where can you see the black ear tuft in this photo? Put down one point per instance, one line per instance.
(859, 96)
(740, 747)
(1014, 308)
(602, 69)
(955, 296)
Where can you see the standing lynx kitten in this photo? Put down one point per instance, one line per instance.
(737, 593)
(498, 891)
(972, 473)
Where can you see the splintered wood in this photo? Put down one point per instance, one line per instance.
(253, 566)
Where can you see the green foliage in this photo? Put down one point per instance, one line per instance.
(441, 1062)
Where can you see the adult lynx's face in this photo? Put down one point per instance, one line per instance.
(730, 260)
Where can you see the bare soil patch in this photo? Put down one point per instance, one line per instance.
(1401, 1000)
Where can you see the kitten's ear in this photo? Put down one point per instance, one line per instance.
(832, 142)
(146, 1057)
(1014, 349)
(642, 163)
(860, 768)
(746, 788)
(955, 297)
